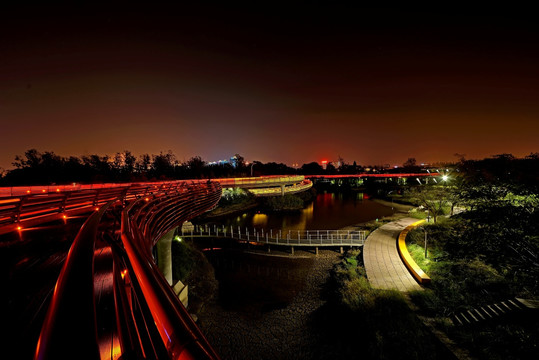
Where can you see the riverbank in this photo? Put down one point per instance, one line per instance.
(223, 211)
(401, 211)
(305, 325)
(401, 208)
(288, 332)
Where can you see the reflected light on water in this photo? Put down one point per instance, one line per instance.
(260, 220)
(307, 215)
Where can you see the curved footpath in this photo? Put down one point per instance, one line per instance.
(384, 267)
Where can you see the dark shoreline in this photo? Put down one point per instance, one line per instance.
(298, 330)
(287, 332)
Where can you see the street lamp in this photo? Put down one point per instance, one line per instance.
(425, 231)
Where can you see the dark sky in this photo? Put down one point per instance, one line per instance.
(290, 84)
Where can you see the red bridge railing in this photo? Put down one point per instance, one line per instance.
(151, 322)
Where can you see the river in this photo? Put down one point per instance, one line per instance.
(266, 302)
(328, 211)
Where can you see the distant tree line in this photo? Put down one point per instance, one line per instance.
(35, 167)
(42, 168)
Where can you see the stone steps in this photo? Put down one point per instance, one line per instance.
(494, 311)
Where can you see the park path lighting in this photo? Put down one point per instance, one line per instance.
(445, 177)
(425, 231)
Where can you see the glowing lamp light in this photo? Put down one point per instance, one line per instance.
(65, 217)
(124, 272)
(147, 199)
(445, 177)
(28, 191)
(19, 228)
(43, 190)
(57, 190)
(177, 238)
(324, 161)
(97, 208)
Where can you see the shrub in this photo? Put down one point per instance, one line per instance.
(287, 202)
(182, 260)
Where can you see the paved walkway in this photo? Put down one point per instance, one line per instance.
(385, 269)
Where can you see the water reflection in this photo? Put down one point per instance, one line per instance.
(260, 220)
(328, 211)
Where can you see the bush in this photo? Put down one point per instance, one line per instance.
(384, 326)
(182, 260)
(287, 202)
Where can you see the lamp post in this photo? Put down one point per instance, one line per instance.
(425, 230)
(252, 164)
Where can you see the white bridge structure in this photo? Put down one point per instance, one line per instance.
(290, 238)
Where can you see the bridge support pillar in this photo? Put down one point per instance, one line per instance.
(342, 250)
(269, 249)
(316, 250)
(164, 255)
(292, 250)
(282, 190)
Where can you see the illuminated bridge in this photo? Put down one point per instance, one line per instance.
(110, 300)
(105, 297)
(425, 175)
(269, 185)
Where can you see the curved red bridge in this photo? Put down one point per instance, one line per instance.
(110, 265)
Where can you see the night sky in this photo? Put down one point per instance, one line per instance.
(289, 84)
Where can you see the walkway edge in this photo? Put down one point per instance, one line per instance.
(412, 266)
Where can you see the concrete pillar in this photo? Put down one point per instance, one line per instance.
(282, 190)
(269, 249)
(292, 250)
(316, 250)
(341, 250)
(164, 255)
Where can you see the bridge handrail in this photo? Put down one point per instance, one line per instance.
(70, 324)
(24, 206)
(17, 212)
(367, 175)
(304, 185)
(278, 237)
(259, 180)
(176, 328)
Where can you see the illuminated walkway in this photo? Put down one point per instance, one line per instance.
(385, 269)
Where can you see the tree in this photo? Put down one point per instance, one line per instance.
(196, 166)
(410, 163)
(144, 162)
(312, 168)
(433, 198)
(129, 162)
(163, 164)
(238, 162)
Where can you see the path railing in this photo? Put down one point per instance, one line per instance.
(279, 237)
